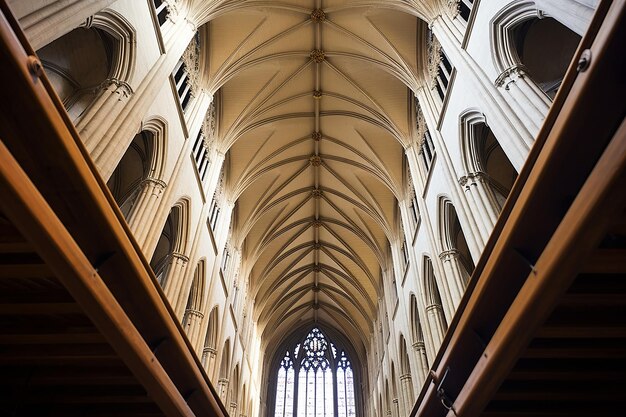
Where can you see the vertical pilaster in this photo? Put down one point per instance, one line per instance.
(144, 209)
(175, 280)
(455, 274)
(44, 23)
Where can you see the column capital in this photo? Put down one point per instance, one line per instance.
(472, 178)
(180, 256)
(509, 75)
(419, 346)
(194, 312)
(433, 307)
(154, 182)
(405, 377)
(121, 87)
(448, 255)
(211, 351)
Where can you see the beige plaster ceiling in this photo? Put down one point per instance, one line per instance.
(314, 213)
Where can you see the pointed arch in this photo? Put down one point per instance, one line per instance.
(133, 169)
(313, 359)
(225, 362)
(437, 322)
(406, 376)
(525, 40)
(405, 365)
(473, 125)
(157, 125)
(173, 240)
(503, 24)
(181, 211)
(234, 388)
(124, 53)
(196, 294)
(417, 334)
(452, 237)
(211, 338)
(431, 289)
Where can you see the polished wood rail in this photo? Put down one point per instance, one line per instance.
(84, 326)
(541, 330)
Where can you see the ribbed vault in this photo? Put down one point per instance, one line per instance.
(315, 107)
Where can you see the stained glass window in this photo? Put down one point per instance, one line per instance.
(324, 386)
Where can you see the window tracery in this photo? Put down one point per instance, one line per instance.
(315, 379)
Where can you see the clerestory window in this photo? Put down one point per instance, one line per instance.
(315, 379)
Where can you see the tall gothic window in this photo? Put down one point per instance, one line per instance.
(315, 379)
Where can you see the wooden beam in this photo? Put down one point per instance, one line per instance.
(586, 299)
(29, 309)
(606, 261)
(570, 375)
(600, 199)
(52, 339)
(578, 332)
(24, 271)
(38, 223)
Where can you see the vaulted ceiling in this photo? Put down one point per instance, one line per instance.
(315, 105)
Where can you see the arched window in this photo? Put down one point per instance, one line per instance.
(125, 183)
(545, 47)
(453, 240)
(539, 47)
(486, 164)
(172, 242)
(77, 64)
(210, 341)
(314, 373)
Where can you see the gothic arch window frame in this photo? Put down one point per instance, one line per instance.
(449, 233)
(211, 336)
(158, 126)
(475, 153)
(180, 213)
(121, 57)
(233, 390)
(339, 341)
(196, 295)
(432, 289)
(142, 145)
(502, 27)
(417, 333)
(182, 233)
(119, 28)
(471, 154)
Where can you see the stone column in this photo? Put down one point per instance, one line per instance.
(43, 23)
(505, 118)
(111, 98)
(144, 209)
(233, 409)
(455, 273)
(109, 142)
(422, 362)
(209, 354)
(574, 14)
(482, 201)
(222, 388)
(396, 408)
(527, 100)
(175, 278)
(436, 322)
(193, 324)
(406, 386)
